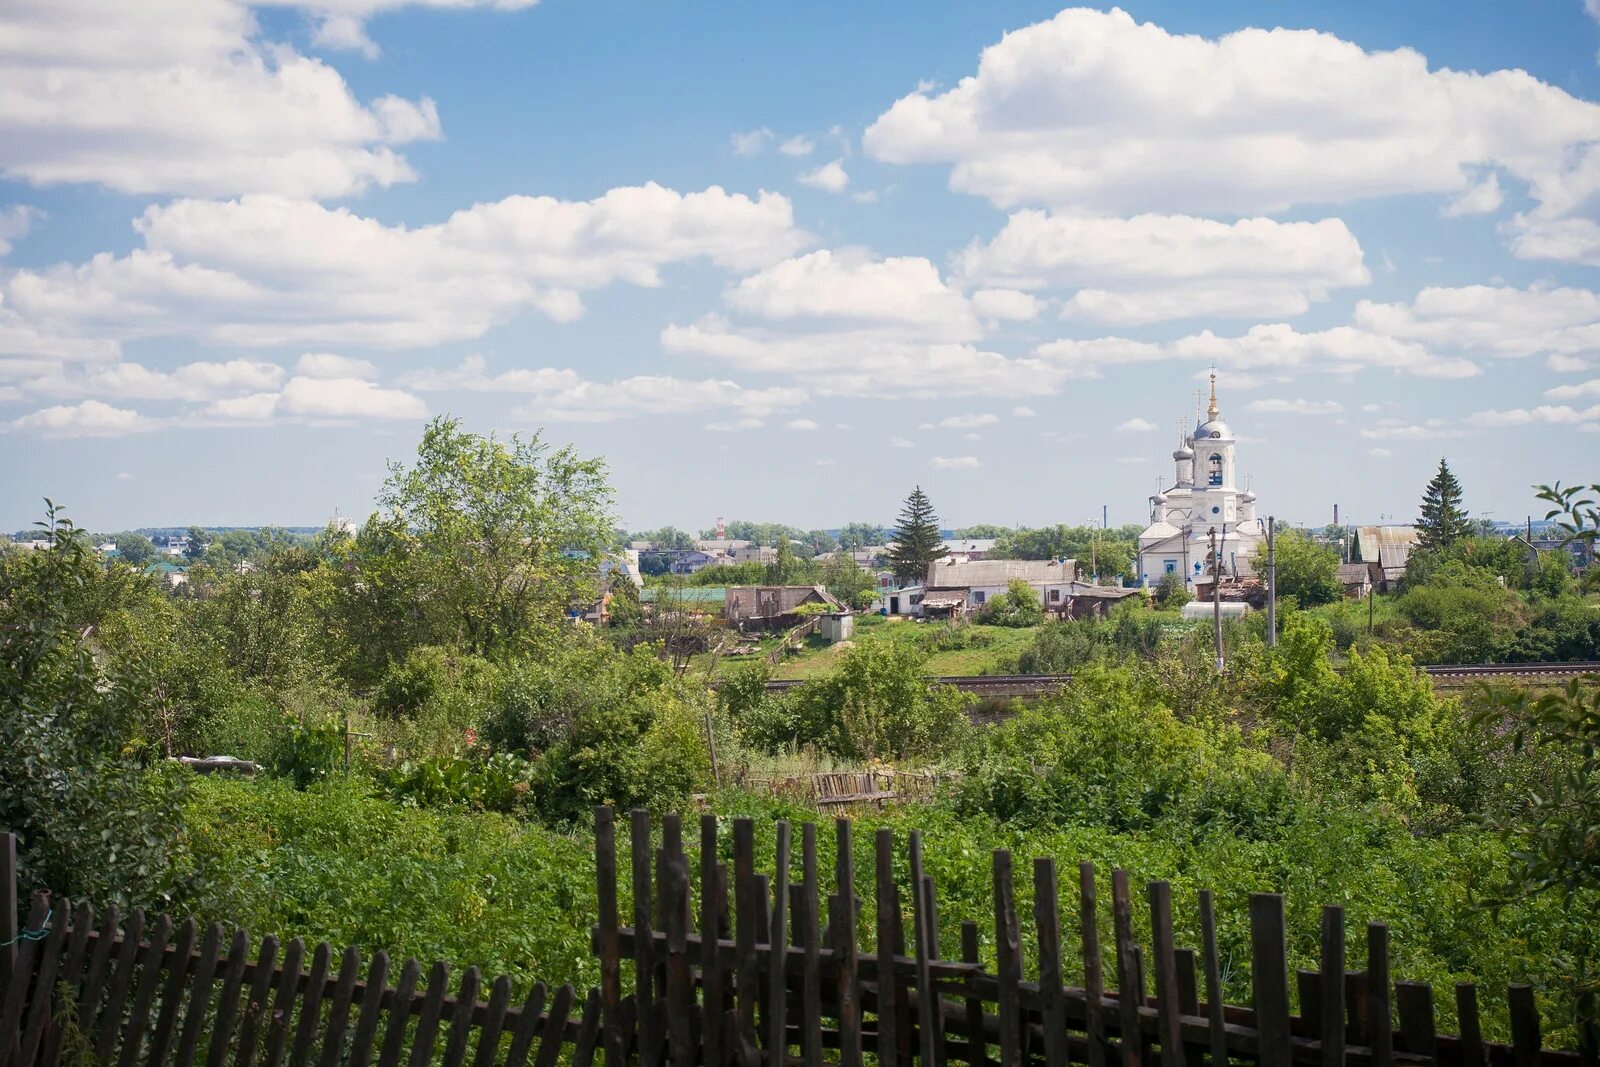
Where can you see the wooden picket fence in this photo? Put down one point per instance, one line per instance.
(780, 982)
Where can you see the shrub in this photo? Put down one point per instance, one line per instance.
(877, 705)
(1106, 752)
(640, 752)
(1018, 606)
(97, 813)
(1172, 592)
(497, 783)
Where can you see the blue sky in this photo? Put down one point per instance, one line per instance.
(784, 263)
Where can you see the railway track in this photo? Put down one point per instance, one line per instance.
(1009, 685)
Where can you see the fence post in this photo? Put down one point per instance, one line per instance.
(8, 905)
(1269, 968)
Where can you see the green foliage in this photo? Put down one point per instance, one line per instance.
(1463, 614)
(1560, 829)
(668, 537)
(1172, 592)
(1061, 647)
(500, 782)
(134, 549)
(1575, 509)
(1019, 606)
(95, 815)
(847, 582)
(482, 544)
(1107, 752)
(751, 573)
(862, 535)
(1442, 521)
(758, 533)
(876, 705)
(335, 862)
(916, 539)
(1306, 570)
(308, 751)
(785, 569)
(982, 531)
(195, 550)
(1098, 551)
(645, 752)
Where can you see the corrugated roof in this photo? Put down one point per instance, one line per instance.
(999, 571)
(944, 598)
(1389, 545)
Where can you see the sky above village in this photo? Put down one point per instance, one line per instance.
(784, 262)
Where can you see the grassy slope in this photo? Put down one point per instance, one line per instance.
(998, 652)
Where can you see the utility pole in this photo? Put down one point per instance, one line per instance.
(1272, 584)
(1216, 597)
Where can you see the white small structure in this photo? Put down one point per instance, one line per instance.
(1203, 609)
(836, 627)
(1203, 498)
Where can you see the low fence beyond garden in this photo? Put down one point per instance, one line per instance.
(743, 968)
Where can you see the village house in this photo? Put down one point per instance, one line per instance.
(966, 549)
(956, 587)
(773, 607)
(1387, 546)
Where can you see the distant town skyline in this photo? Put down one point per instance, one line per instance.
(790, 263)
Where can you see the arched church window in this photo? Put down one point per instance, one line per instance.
(1216, 468)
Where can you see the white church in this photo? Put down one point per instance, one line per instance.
(1204, 497)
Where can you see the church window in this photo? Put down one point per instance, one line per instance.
(1216, 510)
(1172, 566)
(1216, 468)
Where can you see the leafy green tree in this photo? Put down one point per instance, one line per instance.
(817, 542)
(669, 538)
(1442, 521)
(1105, 552)
(982, 531)
(916, 541)
(876, 705)
(862, 535)
(1307, 570)
(1172, 592)
(135, 549)
(784, 569)
(96, 814)
(848, 583)
(195, 550)
(487, 542)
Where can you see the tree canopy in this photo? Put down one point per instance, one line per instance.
(916, 539)
(1442, 521)
(1307, 570)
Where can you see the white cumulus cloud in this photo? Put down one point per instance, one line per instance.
(91, 418)
(187, 96)
(1154, 267)
(830, 177)
(953, 463)
(267, 270)
(1097, 112)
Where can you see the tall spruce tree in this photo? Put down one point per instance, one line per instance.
(1443, 521)
(916, 539)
